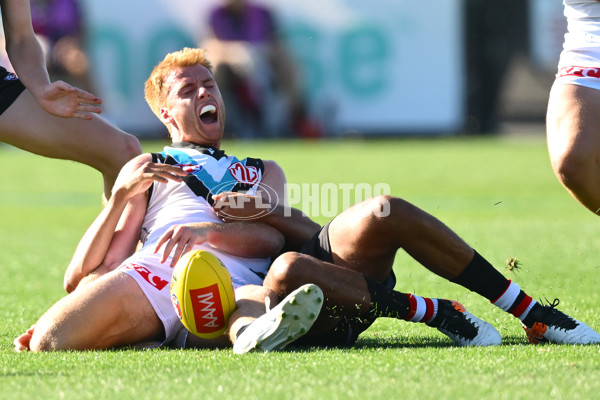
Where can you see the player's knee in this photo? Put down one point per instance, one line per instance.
(130, 148)
(45, 338)
(286, 271)
(126, 148)
(576, 169)
(382, 206)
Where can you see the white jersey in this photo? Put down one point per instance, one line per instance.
(210, 172)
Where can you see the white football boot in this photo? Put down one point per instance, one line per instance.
(553, 326)
(284, 323)
(454, 321)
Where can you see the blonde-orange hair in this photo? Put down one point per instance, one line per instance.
(154, 89)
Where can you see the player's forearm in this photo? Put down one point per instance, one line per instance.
(250, 240)
(27, 58)
(94, 245)
(296, 227)
(23, 48)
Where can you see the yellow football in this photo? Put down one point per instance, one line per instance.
(202, 294)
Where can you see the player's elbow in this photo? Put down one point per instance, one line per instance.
(73, 279)
(69, 285)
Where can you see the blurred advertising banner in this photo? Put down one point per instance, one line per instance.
(378, 66)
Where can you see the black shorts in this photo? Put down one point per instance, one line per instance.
(10, 88)
(347, 330)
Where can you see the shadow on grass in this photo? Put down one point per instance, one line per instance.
(428, 342)
(16, 374)
(406, 343)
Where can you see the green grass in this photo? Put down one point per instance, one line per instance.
(499, 194)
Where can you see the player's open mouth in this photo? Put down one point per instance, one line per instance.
(208, 114)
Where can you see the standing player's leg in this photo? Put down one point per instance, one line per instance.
(110, 312)
(94, 142)
(573, 132)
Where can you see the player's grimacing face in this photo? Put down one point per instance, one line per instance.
(195, 105)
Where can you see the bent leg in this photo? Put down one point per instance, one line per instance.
(345, 290)
(573, 133)
(109, 312)
(95, 142)
(250, 304)
(365, 238)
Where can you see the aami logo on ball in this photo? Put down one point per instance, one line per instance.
(208, 310)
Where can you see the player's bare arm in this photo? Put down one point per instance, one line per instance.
(22, 46)
(256, 240)
(26, 55)
(114, 234)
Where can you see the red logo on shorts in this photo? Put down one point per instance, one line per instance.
(148, 276)
(208, 310)
(584, 72)
(244, 174)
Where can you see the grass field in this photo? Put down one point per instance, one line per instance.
(497, 193)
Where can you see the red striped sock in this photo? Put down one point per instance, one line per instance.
(422, 309)
(515, 301)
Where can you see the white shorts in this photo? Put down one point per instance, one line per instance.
(154, 279)
(579, 62)
(581, 76)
